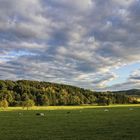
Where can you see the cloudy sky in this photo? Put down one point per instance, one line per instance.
(93, 44)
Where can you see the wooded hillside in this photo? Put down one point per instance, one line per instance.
(45, 93)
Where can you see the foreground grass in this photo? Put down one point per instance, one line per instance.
(71, 123)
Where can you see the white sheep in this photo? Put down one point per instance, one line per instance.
(40, 114)
(106, 110)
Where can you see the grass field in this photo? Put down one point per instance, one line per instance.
(81, 123)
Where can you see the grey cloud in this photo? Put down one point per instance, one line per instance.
(65, 40)
(135, 76)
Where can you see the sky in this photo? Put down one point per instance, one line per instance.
(94, 44)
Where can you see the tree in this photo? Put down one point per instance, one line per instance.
(75, 100)
(103, 100)
(3, 104)
(63, 98)
(28, 103)
(10, 84)
(43, 100)
(2, 85)
(24, 97)
(92, 99)
(7, 95)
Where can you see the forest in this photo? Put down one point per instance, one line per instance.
(16, 93)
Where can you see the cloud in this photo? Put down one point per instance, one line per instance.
(124, 2)
(132, 82)
(135, 76)
(76, 6)
(72, 42)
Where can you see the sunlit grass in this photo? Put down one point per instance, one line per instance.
(69, 107)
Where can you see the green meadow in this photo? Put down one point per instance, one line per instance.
(117, 122)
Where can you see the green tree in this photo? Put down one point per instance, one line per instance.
(92, 99)
(25, 97)
(63, 98)
(43, 100)
(75, 100)
(3, 104)
(10, 84)
(28, 104)
(103, 100)
(8, 95)
(2, 85)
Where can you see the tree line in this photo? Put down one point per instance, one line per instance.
(25, 92)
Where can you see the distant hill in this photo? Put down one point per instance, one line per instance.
(45, 93)
(132, 92)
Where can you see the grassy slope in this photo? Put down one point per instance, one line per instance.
(83, 123)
